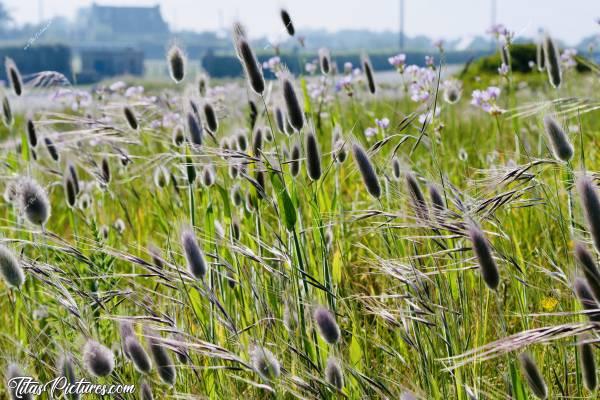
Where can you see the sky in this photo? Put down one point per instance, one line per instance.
(569, 20)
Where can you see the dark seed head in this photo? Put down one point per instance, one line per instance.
(7, 116)
(146, 391)
(14, 371)
(590, 202)
(10, 268)
(72, 171)
(295, 160)
(105, 169)
(325, 61)
(242, 141)
(137, 354)
(586, 298)
(483, 252)
(162, 360)
(294, 110)
(313, 157)
(369, 74)
(252, 114)
(212, 123)
(69, 187)
(366, 170)
(416, 196)
(257, 142)
(51, 147)
(178, 136)
(287, 22)
(559, 140)
(334, 374)
(279, 119)
(253, 70)
(265, 363)
(191, 170)
(328, 328)
(532, 375)
(552, 56)
(193, 254)
(588, 363)
(98, 359)
(540, 57)
(66, 369)
(130, 118)
(31, 133)
(590, 270)
(14, 76)
(33, 201)
(176, 60)
(194, 128)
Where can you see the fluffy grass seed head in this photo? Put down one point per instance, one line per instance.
(14, 76)
(33, 201)
(14, 371)
(66, 369)
(7, 115)
(193, 254)
(162, 360)
(532, 375)
(194, 128)
(130, 118)
(295, 160)
(552, 58)
(212, 122)
(265, 363)
(31, 133)
(590, 203)
(559, 140)
(367, 172)
(252, 69)
(11, 270)
(52, 149)
(485, 258)
(334, 374)
(325, 61)
(328, 327)
(587, 361)
(590, 269)
(146, 391)
(287, 22)
(369, 74)
(176, 60)
(313, 156)
(98, 360)
(586, 298)
(295, 115)
(137, 354)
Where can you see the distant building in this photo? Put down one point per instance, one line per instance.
(99, 22)
(97, 64)
(38, 59)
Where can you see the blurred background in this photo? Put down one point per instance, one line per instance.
(89, 41)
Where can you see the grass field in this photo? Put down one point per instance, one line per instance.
(416, 242)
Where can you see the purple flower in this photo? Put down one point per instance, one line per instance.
(311, 68)
(382, 123)
(429, 61)
(370, 132)
(439, 44)
(568, 58)
(486, 100)
(347, 68)
(503, 70)
(398, 61)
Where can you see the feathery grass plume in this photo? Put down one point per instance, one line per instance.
(369, 74)
(287, 22)
(257, 142)
(329, 329)
(295, 160)
(66, 369)
(10, 268)
(590, 270)
(208, 177)
(178, 135)
(98, 359)
(295, 115)
(313, 156)
(105, 171)
(14, 371)
(193, 254)
(14, 76)
(236, 195)
(202, 85)
(212, 123)
(69, 187)
(33, 201)
(325, 61)
(265, 363)
(137, 354)
(130, 118)
(485, 259)
(367, 171)
(176, 61)
(587, 362)
(162, 360)
(333, 373)
(590, 202)
(279, 120)
(52, 150)
(7, 115)
(242, 141)
(552, 58)
(252, 114)
(31, 133)
(146, 391)
(194, 128)
(416, 195)
(72, 171)
(586, 298)
(559, 140)
(248, 60)
(532, 375)
(540, 57)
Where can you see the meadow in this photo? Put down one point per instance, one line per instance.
(320, 236)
